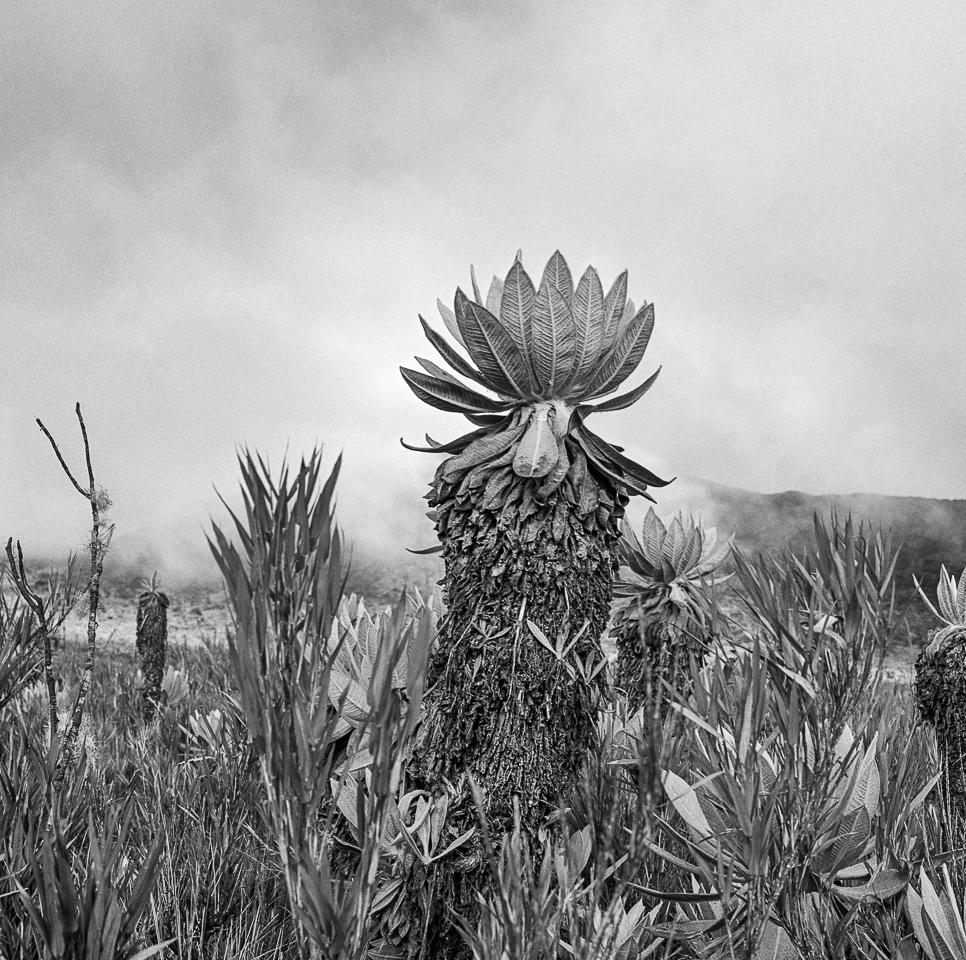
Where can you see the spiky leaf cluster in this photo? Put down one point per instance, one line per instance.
(544, 351)
(663, 571)
(941, 667)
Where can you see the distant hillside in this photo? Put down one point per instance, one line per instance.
(932, 532)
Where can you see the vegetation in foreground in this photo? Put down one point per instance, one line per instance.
(792, 801)
(328, 786)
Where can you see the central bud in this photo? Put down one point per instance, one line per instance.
(542, 446)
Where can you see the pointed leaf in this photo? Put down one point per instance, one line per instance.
(493, 296)
(436, 371)
(625, 356)
(605, 450)
(554, 338)
(614, 304)
(588, 313)
(478, 344)
(674, 544)
(557, 274)
(476, 288)
(516, 308)
(453, 446)
(460, 365)
(607, 468)
(506, 353)
(449, 318)
(946, 596)
(654, 533)
(685, 801)
(446, 396)
(865, 792)
(625, 400)
(481, 450)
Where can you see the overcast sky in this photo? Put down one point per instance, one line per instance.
(218, 222)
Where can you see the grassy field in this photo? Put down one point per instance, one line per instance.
(780, 798)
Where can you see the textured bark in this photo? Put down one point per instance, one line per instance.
(940, 689)
(499, 705)
(653, 652)
(152, 643)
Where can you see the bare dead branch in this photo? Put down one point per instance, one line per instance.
(63, 463)
(87, 448)
(19, 576)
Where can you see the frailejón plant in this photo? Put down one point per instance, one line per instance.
(152, 644)
(661, 606)
(941, 683)
(527, 509)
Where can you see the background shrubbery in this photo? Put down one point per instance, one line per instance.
(791, 805)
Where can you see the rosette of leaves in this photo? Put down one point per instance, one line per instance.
(527, 509)
(941, 682)
(662, 610)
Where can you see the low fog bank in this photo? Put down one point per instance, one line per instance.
(932, 532)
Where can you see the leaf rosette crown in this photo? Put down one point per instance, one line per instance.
(544, 353)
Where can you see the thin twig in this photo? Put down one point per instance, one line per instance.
(53, 443)
(98, 547)
(36, 605)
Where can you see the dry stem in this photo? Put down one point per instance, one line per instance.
(98, 548)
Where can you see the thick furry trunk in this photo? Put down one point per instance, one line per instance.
(940, 694)
(654, 654)
(152, 644)
(500, 706)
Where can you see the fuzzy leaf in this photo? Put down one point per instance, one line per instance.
(626, 354)
(436, 371)
(865, 792)
(516, 306)
(625, 400)
(554, 338)
(628, 466)
(947, 598)
(578, 850)
(493, 296)
(685, 801)
(537, 453)
(480, 451)
(557, 274)
(355, 703)
(588, 313)
(476, 288)
(559, 472)
(608, 469)
(477, 344)
(654, 533)
(451, 356)
(674, 545)
(883, 886)
(449, 318)
(914, 910)
(446, 396)
(614, 304)
(500, 344)
(453, 446)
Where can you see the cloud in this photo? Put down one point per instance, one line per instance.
(221, 221)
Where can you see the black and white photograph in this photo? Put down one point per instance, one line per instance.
(482, 481)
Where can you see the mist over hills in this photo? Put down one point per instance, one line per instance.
(932, 532)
